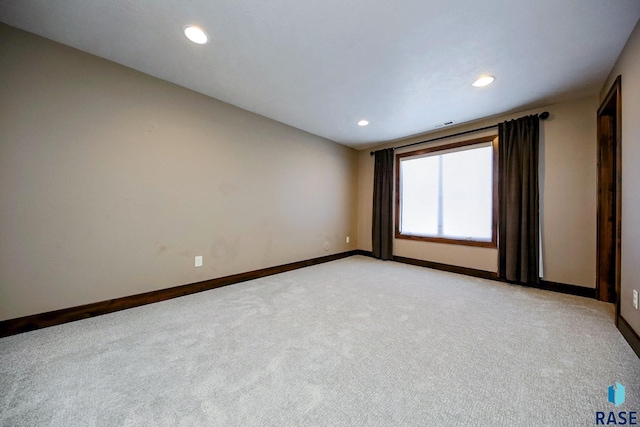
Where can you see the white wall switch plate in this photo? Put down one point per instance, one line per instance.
(635, 299)
(199, 261)
(347, 239)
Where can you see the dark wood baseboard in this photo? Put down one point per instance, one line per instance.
(363, 252)
(565, 288)
(544, 284)
(447, 267)
(57, 317)
(629, 334)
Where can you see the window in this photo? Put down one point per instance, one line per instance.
(448, 193)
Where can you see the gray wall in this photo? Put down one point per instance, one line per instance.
(568, 197)
(111, 182)
(628, 66)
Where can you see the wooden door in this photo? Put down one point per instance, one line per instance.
(607, 210)
(609, 198)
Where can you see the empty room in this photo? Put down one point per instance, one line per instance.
(258, 212)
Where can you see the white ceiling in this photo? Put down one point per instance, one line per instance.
(322, 65)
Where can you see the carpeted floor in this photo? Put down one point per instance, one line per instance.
(352, 342)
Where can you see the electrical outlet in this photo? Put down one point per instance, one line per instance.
(199, 261)
(347, 239)
(635, 299)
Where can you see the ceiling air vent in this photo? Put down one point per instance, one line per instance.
(445, 124)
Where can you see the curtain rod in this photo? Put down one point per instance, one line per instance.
(543, 116)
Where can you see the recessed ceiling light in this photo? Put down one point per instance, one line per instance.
(483, 81)
(363, 123)
(195, 34)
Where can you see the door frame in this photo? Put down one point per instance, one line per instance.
(611, 105)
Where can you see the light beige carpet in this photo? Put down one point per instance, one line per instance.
(351, 342)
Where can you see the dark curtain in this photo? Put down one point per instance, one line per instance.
(382, 230)
(519, 237)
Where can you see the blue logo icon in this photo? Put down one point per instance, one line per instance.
(616, 394)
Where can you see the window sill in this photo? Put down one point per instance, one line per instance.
(476, 243)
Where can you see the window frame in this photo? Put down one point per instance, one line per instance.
(493, 139)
